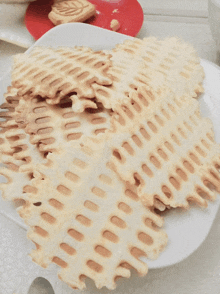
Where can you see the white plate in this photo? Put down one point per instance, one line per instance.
(12, 26)
(186, 229)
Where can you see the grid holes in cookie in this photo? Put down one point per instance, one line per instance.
(194, 158)
(68, 249)
(132, 195)
(147, 171)
(100, 131)
(209, 184)
(110, 236)
(105, 179)
(84, 220)
(181, 132)
(91, 205)
(150, 224)
(201, 193)
(118, 222)
(98, 192)
(29, 189)
(137, 253)
(15, 138)
(43, 120)
(193, 120)
(166, 191)
(44, 131)
(79, 163)
(188, 166)
(103, 251)
(181, 174)
(94, 266)
(205, 144)
(72, 125)
(48, 218)
(165, 114)
(137, 141)
(210, 137)
(76, 235)
(47, 79)
(64, 190)
(125, 208)
(98, 120)
(172, 108)
(175, 183)
(215, 175)
(169, 146)
(200, 151)
(56, 204)
(187, 126)
(159, 120)
(162, 154)
(145, 134)
(74, 136)
(83, 75)
(72, 177)
(152, 126)
(41, 231)
(175, 139)
(128, 148)
(117, 155)
(155, 162)
(146, 239)
(127, 111)
(73, 71)
(135, 105)
(59, 262)
(66, 67)
(143, 100)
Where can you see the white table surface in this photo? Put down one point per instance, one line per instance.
(199, 273)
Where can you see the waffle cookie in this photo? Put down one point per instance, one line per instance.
(176, 60)
(53, 73)
(86, 220)
(164, 140)
(71, 11)
(94, 143)
(136, 63)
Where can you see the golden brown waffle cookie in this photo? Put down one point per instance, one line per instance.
(71, 11)
(168, 145)
(151, 63)
(175, 59)
(87, 221)
(53, 73)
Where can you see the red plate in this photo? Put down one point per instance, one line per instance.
(129, 13)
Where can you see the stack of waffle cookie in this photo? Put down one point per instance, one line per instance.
(97, 144)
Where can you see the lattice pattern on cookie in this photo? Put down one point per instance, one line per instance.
(127, 74)
(7, 123)
(87, 221)
(53, 73)
(51, 126)
(16, 149)
(176, 60)
(169, 146)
